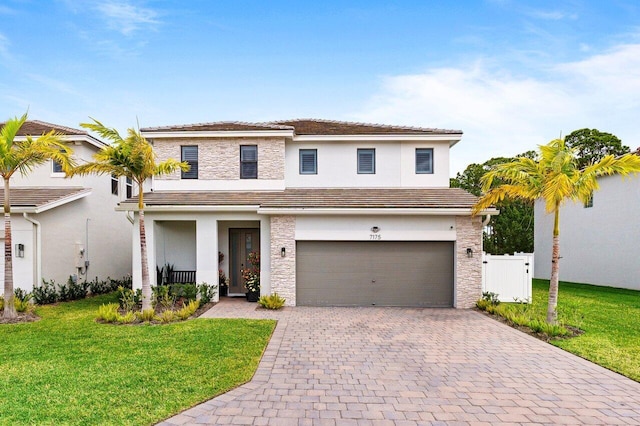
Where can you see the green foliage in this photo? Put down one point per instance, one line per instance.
(146, 315)
(188, 309)
(67, 369)
(512, 230)
(272, 301)
(591, 145)
(162, 297)
(22, 300)
(206, 292)
(186, 291)
(102, 287)
(128, 298)
(108, 312)
(46, 293)
(251, 274)
(128, 318)
(167, 316)
(491, 297)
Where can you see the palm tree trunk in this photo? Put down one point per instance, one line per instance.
(552, 312)
(9, 301)
(146, 283)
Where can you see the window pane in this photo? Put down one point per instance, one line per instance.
(190, 155)
(114, 185)
(424, 160)
(249, 170)
(367, 161)
(129, 188)
(57, 167)
(248, 153)
(308, 162)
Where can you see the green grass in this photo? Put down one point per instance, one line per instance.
(68, 369)
(609, 318)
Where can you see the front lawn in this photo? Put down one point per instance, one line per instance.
(609, 318)
(68, 369)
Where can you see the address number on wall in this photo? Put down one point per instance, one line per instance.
(375, 237)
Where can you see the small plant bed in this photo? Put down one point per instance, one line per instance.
(273, 302)
(68, 369)
(171, 303)
(25, 308)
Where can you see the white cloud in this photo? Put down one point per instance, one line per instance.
(127, 18)
(504, 114)
(552, 15)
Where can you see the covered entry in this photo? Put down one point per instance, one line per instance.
(376, 273)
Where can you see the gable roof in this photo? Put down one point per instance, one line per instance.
(335, 199)
(40, 199)
(306, 126)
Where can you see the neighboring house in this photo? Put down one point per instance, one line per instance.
(341, 213)
(598, 241)
(66, 227)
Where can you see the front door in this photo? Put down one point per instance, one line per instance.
(241, 243)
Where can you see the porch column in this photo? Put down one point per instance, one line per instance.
(265, 256)
(207, 251)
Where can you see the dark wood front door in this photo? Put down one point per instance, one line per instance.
(241, 243)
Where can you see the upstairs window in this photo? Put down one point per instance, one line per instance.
(190, 155)
(114, 184)
(589, 203)
(248, 161)
(424, 160)
(308, 161)
(57, 167)
(129, 185)
(366, 161)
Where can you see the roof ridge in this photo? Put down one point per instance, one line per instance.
(243, 123)
(362, 123)
(58, 126)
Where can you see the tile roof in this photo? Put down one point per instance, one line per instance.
(219, 126)
(318, 198)
(307, 126)
(39, 196)
(311, 126)
(37, 128)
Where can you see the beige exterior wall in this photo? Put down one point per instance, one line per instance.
(283, 269)
(219, 158)
(468, 286)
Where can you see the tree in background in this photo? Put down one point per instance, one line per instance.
(23, 157)
(554, 178)
(591, 145)
(512, 230)
(133, 158)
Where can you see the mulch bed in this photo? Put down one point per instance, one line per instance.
(22, 317)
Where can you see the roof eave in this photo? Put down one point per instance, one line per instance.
(217, 134)
(451, 138)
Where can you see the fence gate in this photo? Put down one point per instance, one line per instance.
(508, 276)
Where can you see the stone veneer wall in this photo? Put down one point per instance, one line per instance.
(219, 158)
(283, 269)
(468, 270)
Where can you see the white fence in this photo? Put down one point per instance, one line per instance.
(508, 276)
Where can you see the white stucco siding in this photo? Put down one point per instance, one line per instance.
(394, 165)
(391, 228)
(23, 268)
(598, 245)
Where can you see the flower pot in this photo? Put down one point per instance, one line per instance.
(253, 296)
(224, 291)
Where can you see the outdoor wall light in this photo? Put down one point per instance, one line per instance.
(283, 252)
(469, 252)
(375, 229)
(19, 250)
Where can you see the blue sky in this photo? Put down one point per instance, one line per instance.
(510, 74)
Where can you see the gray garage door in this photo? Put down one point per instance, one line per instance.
(377, 273)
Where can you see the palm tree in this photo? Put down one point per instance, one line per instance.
(554, 178)
(133, 158)
(23, 156)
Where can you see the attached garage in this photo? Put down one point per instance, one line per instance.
(375, 273)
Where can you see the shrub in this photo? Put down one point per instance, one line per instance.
(76, 289)
(147, 315)
(491, 297)
(187, 310)
(1, 303)
(206, 293)
(45, 293)
(128, 298)
(108, 312)
(127, 318)
(272, 301)
(161, 295)
(186, 291)
(167, 316)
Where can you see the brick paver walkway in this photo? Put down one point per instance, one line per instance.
(401, 366)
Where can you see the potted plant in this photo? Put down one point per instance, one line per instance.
(251, 277)
(223, 283)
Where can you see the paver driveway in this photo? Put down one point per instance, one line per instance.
(397, 366)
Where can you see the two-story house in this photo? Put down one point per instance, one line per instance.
(64, 227)
(341, 213)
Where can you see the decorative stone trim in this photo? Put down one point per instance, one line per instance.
(219, 159)
(468, 286)
(283, 269)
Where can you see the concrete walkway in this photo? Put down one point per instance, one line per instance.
(401, 366)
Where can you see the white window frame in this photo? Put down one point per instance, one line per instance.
(306, 151)
(366, 151)
(425, 172)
